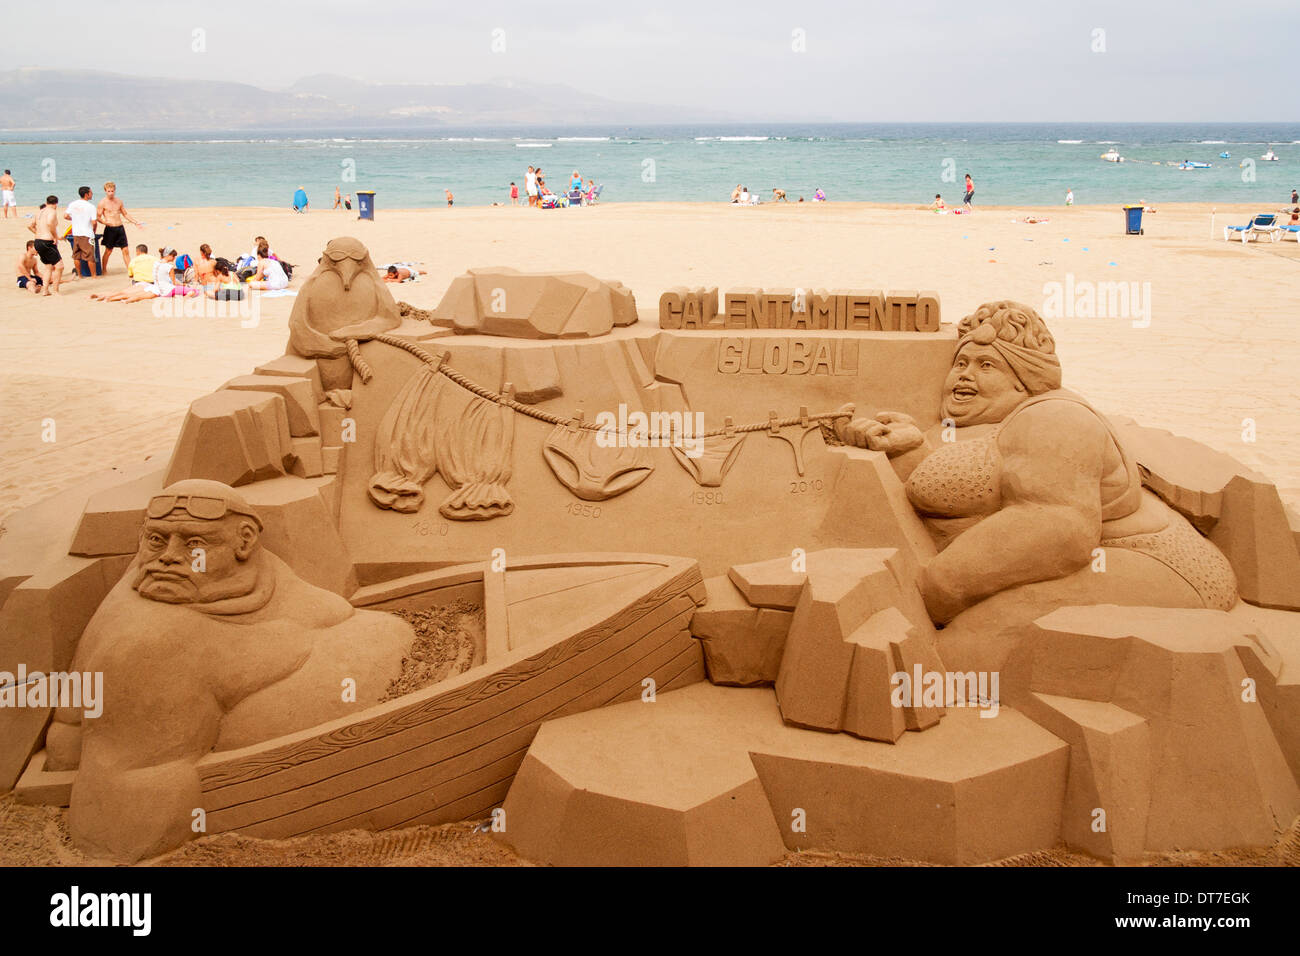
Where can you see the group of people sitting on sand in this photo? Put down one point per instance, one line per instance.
(171, 273)
(741, 196)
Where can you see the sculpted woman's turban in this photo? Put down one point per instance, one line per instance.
(1020, 337)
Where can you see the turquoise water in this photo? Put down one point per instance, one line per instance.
(1020, 164)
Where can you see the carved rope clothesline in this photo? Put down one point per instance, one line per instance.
(439, 364)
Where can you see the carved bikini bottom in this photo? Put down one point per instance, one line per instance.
(717, 455)
(591, 471)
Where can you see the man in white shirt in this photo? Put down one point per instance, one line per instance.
(82, 214)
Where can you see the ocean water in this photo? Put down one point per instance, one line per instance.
(1012, 164)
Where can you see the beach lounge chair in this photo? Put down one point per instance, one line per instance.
(595, 195)
(1265, 224)
(575, 197)
(1290, 232)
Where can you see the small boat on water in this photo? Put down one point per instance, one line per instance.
(1225, 155)
(1188, 164)
(1112, 156)
(1269, 156)
(564, 634)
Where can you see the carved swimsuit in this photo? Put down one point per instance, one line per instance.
(962, 480)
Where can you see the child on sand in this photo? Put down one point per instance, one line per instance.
(937, 205)
(514, 195)
(970, 193)
(1069, 197)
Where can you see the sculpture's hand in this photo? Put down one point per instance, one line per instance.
(840, 423)
(893, 433)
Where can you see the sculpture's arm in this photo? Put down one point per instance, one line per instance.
(1050, 519)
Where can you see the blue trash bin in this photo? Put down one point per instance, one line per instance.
(1133, 220)
(366, 204)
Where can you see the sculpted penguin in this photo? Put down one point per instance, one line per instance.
(344, 298)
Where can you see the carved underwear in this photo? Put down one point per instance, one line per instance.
(426, 431)
(591, 471)
(718, 453)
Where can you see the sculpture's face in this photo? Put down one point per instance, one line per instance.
(184, 560)
(980, 388)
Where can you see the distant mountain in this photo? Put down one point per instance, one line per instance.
(51, 100)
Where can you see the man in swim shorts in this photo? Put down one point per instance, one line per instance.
(46, 244)
(110, 215)
(28, 276)
(7, 194)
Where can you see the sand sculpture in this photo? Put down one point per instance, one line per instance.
(208, 643)
(504, 301)
(953, 631)
(328, 304)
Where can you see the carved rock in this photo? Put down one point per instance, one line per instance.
(234, 438)
(503, 301)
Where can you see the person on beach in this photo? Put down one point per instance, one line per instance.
(400, 272)
(45, 225)
(110, 214)
(735, 193)
(819, 195)
(937, 205)
(449, 196)
(1069, 197)
(1295, 216)
(270, 275)
(530, 186)
(514, 195)
(29, 277)
(1295, 196)
(575, 182)
(300, 201)
(140, 269)
(338, 198)
(81, 213)
(591, 191)
(970, 193)
(778, 195)
(744, 196)
(206, 267)
(225, 286)
(7, 194)
(169, 276)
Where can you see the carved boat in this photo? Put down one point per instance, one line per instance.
(565, 634)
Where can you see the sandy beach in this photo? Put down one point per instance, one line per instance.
(1220, 346)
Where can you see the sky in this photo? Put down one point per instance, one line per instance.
(855, 60)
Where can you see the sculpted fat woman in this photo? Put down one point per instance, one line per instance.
(1029, 496)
